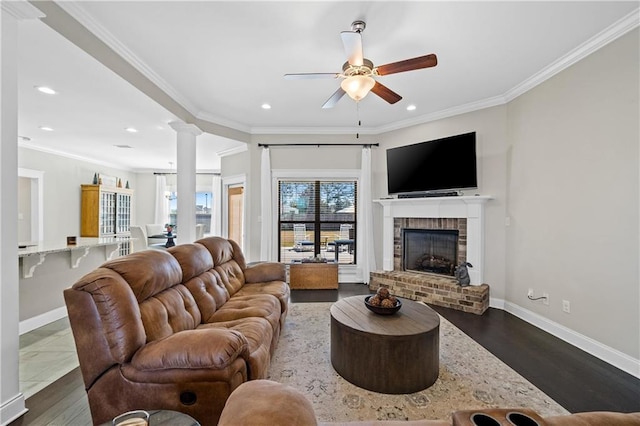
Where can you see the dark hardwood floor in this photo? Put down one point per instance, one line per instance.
(570, 376)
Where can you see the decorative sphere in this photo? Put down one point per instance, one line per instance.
(387, 303)
(383, 292)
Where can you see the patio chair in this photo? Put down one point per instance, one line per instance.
(300, 241)
(344, 235)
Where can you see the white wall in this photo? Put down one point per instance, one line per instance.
(62, 179)
(573, 196)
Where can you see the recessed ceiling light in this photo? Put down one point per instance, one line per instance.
(266, 106)
(131, 130)
(46, 128)
(44, 89)
(411, 108)
(124, 146)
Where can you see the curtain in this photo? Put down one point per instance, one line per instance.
(161, 214)
(266, 237)
(366, 256)
(216, 206)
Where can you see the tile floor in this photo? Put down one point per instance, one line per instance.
(46, 354)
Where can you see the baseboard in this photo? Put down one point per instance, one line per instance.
(42, 319)
(12, 409)
(496, 303)
(609, 355)
(349, 274)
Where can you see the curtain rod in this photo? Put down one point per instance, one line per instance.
(318, 144)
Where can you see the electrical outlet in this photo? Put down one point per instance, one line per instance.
(566, 306)
(530, 293)
(546, 298)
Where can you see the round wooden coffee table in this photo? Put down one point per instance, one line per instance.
(394, 354)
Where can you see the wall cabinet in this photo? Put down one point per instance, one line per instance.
(106, 212)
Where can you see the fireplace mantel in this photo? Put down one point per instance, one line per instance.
(469, 207)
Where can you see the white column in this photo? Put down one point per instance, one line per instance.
(186, 177)
(11, 399)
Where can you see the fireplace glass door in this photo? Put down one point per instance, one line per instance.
(430, 250)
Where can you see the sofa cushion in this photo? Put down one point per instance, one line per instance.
(212, 348)
(231, 276)
(208, 292)
(147, 272)
(168, 312)
(260, 306)
(259, 334)
(279, 289)
(115, 308)
(194, 259)
(223, 250)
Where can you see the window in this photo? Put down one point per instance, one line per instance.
(317, 218)
(204, 201)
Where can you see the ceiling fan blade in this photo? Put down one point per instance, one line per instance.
(311, 75)
(337, 95)
(352, 41)
(420, 62)
(385, 93)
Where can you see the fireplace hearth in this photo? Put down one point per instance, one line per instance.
(463, 214)
(430, 250)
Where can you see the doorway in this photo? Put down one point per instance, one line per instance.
(235, 213)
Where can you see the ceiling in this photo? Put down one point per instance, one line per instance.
(221, 61)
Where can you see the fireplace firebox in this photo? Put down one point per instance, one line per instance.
(430, 250)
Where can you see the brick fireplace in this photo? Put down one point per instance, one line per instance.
(429, 244)
(427, 276)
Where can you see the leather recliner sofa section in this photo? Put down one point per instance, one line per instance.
(268, 403)
(176, 330)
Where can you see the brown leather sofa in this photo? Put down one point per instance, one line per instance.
(268, 403)
(177, 329)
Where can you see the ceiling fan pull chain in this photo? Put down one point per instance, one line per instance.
(358, 116)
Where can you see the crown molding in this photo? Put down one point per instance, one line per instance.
(21, 9)
(79, 14)
(233, 151)
(606, 36)
(34, 147)
(446, 113)
(313, 130)
(611, 33)
(205, 116)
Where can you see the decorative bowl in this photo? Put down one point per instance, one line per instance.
(380, 310)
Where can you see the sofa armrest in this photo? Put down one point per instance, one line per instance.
(265, 272)
(268, 403)
(192, 349)
(595, 418)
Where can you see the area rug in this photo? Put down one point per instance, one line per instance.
(470, 376)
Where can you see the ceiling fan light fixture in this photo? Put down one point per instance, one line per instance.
(357, 86)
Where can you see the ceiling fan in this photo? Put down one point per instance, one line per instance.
(358, 72)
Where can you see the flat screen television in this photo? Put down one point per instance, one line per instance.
(434, 166)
